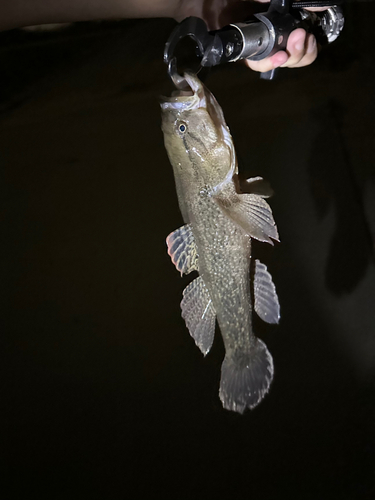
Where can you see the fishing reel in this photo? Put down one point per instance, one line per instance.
(257, 38)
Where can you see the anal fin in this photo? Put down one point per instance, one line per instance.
(266, 302)
(182, 249)
(199, 314)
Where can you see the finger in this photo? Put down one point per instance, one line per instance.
(317, 9)
(269, 63)
(295, 47)
(295, 52)
(311, 52)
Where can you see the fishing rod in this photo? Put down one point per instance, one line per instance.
(257, 38)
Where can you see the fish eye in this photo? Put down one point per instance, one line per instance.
(182, 128)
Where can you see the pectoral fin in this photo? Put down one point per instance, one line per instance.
(199, 314)
(253, 185)
(266, 302)
(182, 249)
(252, 214)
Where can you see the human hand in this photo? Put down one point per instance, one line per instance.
(301, 48)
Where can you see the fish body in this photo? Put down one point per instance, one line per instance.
(221, 214)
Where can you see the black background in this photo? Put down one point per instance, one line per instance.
(103, 392)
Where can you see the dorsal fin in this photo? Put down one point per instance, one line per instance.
(253, 185)
(266, 302)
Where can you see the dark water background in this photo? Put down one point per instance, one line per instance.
(103, 393)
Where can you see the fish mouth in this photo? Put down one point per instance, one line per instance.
(200, 97)
(184, 100)
(197, 97)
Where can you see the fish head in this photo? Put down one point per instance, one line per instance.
(196, 137)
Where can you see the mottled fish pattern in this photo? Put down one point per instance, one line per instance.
(222, 212)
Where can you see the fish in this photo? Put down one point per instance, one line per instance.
(222, 213)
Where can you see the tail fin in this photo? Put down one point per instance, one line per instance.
(246, 378)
